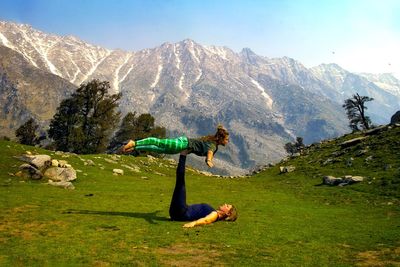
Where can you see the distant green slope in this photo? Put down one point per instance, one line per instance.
(376, 157)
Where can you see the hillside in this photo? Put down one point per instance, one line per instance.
(284, 219)
(376, 157)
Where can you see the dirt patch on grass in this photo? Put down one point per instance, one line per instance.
(383, 257)
(22, 209)
(28, 231)
(101, 264)
(16, 222)
(185, 254)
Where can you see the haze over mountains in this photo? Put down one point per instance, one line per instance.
(190, 88)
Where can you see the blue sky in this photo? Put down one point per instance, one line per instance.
(359, 35)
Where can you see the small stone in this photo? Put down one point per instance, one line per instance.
(90, 162)
(118, 171)
(54, 163)
(284, 169)
(331, 180)
(352, 142)
(62, 184)
(62, 163)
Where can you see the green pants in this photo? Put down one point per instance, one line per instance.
(162, 146)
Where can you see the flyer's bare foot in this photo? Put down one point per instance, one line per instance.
(129, 147)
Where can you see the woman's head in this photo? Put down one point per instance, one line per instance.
(221, 136)
(228, 212)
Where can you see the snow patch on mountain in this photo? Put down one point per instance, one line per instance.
(159, 70)
(219, 51)
(42, 47)
(95, 63)
(77, 70)
(8, 44)
(5, 42)
(386, 81)
(268, 99)
(117, 81)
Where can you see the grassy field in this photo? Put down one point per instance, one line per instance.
(284, 219)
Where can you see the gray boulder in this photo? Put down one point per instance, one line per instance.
(332, 180)
(352, 179)
(58, 174)
(62, 184)
(30, 172)
(352, 142)
(341, 181)
(118, 172)
(38, 161)
(284, 169)
(395, 118)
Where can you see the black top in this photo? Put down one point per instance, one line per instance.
(200, 147)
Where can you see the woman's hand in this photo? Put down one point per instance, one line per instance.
(209, 163)
(210, 218)
(189, 225)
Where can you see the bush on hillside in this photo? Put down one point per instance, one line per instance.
(84, 122)
(26, 133)
(296, 147)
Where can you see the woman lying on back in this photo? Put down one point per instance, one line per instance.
(197, 214)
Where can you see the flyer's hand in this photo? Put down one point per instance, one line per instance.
(209, 163)
(189, 225)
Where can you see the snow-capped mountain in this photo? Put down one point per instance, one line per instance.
(189, 88)
(384, 88)
(386, 81)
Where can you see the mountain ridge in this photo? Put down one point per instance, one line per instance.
(264, 102)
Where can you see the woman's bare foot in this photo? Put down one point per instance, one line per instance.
(129, 147)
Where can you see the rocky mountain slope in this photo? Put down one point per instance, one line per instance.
(27, 91)
(189, 88)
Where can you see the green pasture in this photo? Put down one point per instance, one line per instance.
(284, 219)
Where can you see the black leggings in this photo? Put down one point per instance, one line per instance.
(178, 207)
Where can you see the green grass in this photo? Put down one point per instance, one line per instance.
(284, 219)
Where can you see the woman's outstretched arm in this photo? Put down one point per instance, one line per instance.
(209, 159)
(210, 218)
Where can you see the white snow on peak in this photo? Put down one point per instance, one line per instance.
(8, 44)
(198, 75)
(268, 99)
(77, 69)
(220, 51)
(117, 81)
(280, 119)
(178, 60)
(126, 74)
(159, 69)
(181, 81)
(152, 97)
(42, 48)
(178, 66)
(5, 41)
(193, 51)
(95, 63)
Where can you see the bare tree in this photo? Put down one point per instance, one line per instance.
(355, 110)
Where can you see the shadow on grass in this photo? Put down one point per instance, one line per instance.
(150, 217)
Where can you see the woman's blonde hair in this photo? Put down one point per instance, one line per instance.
(219, 136)
(233, 214)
